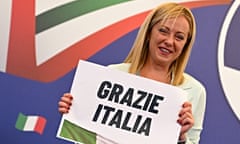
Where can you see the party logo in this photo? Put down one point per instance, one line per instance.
(229, 57)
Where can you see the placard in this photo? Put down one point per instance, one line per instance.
(121, 108)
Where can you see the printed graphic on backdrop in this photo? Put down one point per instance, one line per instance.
(229, 57)
(118, 106)
(31, 123)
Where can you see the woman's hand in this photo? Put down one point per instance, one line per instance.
(65, 103)
(186, 119)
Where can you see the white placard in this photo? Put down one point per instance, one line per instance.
(122, 107)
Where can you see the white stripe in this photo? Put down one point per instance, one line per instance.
(45, 5)
(30, 123)
(5, 18)
(55, 40)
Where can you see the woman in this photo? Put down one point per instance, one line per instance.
(161, 52)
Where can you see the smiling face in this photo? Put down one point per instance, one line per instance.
(167, 40)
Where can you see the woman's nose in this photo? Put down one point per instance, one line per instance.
(169, 40)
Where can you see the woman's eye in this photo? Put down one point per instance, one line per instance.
(162, 30)
(180, 37)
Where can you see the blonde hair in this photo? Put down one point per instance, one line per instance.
(139, 51)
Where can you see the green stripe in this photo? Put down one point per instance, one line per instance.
(20, 121)
(76, 133)
(69, 11)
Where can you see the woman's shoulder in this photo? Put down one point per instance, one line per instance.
(190, 82)
(120, 66)
(195, 89)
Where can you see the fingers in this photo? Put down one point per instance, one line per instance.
(67, 98)
(186, 109)
(65, 103)
(186, 119)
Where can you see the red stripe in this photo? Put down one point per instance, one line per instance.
(40, 125)
(21, 52)
(21, 56)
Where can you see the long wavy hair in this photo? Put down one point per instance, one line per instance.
(139, 51)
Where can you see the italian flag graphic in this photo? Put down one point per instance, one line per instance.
(79, 135)
(30, 123)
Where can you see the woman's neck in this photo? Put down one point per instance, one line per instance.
(156, 72)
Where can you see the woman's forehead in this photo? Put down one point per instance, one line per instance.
(178, 23)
